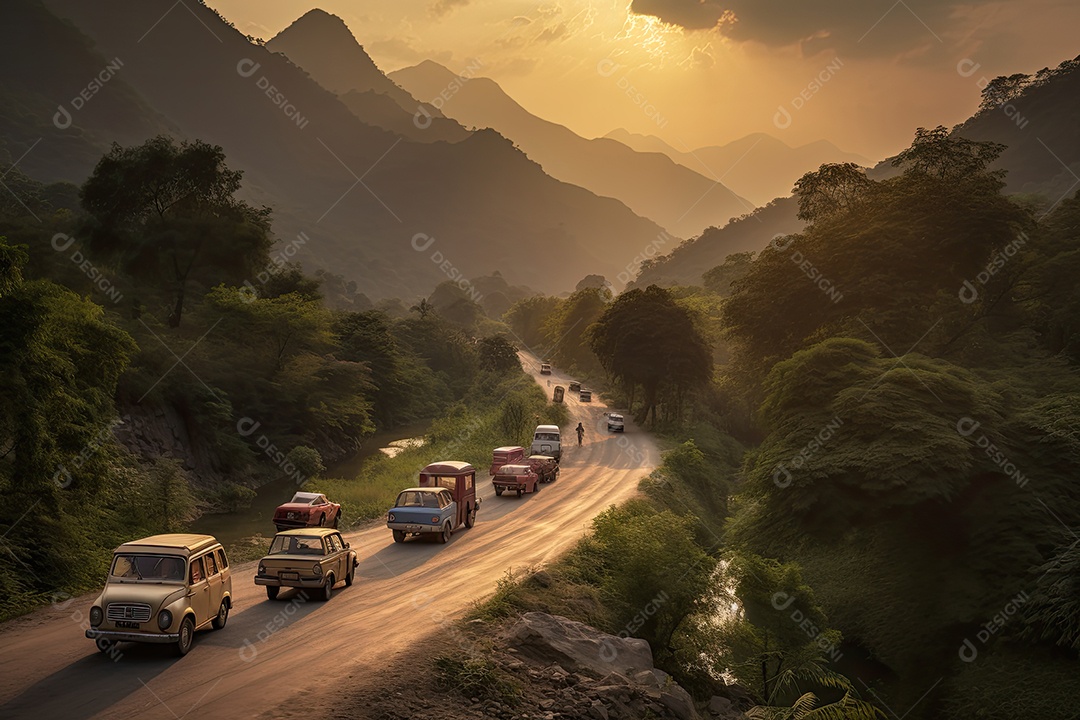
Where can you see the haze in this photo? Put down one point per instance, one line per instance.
(724, 71)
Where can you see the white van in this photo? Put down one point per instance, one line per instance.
(547, 440)
(615, 422)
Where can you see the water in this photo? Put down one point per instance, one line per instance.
(257, 519)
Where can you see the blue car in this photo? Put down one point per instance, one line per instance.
(420, 510)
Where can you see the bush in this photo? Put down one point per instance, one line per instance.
(234, 498)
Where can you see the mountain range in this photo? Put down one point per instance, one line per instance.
(361, 192)
(759, 166)
(681, 199)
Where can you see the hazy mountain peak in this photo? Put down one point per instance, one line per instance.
(323, 44)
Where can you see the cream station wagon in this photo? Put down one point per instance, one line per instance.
(161, 589)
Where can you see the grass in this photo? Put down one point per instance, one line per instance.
(504, 413)
(475, 678)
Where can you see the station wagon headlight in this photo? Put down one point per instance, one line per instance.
(96, 616)
(317, 569)
(164, 619)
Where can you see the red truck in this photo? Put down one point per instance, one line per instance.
(507, 455)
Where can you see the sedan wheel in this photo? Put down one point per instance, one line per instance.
(272, 591)
(470, 518)
(337, 519)
(322, 520)
(222, 615)
(187, 636)
(327, 588)
(399, 536)
(444, 536)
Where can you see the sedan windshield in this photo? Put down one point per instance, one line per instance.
(297, 545)
(158, 568)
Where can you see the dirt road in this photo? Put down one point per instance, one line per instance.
(291, 657)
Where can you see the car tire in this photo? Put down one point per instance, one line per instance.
(322, 520)
(444, 536)
(349, 577)
(399, 536)
(337, 519)
(222, 616)
(187, 636)
(498, 491)
(519, 492)
(327, 588)
(272, 592)
(470, 517)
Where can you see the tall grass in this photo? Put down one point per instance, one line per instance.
(503, 411)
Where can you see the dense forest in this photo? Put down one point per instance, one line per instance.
(152, 325)
(868, 507)
(878, 461)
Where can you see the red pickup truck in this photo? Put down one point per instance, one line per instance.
(519, 478)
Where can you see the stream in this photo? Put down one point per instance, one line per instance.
(231, 527)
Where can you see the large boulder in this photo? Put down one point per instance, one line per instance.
(578, 648)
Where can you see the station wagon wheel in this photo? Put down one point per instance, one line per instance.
(272, 591)
(328, 588)
(444, 536)
(222, 615)
(399, 536)
(187, 636)
(470, 517)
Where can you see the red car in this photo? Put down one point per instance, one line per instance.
(516, 478)
(509, 455)
(305, 510)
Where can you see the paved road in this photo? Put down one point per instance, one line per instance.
(276, 658)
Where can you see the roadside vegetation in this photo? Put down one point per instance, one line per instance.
(876, 469)
(163, 355)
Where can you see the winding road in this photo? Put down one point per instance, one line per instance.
(283, 657)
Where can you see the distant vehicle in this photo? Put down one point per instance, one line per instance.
(544, 466)
(585, 396)
(307, 510)
(162, 589)
(516, 478)
(557, 396)
(316, 558)
(615, 422)
(444, 501)
(545, 369)
(547, 440)
(575, 386)
(505, 456)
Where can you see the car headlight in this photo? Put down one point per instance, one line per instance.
(317, 569)
(96, 616)
(392, 517)
(164, 619)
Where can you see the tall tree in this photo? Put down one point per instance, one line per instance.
(170, 210)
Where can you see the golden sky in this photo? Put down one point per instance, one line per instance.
(860, 73)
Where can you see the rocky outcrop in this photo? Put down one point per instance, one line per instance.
(597, 676)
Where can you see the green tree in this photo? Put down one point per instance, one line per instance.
(307, 461)
(171, 211)
(527, 317)
(647, 339)
(830, 189)
(498, 355)
(721, 278)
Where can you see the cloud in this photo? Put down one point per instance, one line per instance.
(886, 28)
(442, 7)
(552, 33)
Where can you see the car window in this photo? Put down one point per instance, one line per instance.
(321, 500)
(222, 560)
(197, 574)
(431, 500)
(469, 482)
(335, 543)
(211, 565)
(159, 568)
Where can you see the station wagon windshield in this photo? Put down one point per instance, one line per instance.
(152, 568)
(297, 545)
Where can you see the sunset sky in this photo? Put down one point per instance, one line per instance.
(861, 73)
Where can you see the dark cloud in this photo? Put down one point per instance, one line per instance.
(856, 27)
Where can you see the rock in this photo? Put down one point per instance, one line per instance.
(578, 648)
(598, 711)
(541, 578)
(679, 702)
(720, 705)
